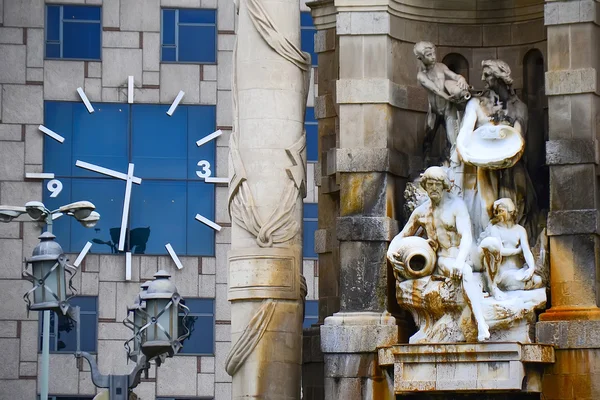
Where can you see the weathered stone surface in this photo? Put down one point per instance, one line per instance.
(22, 104)
(35, 48)
(151, 78)
(569, 334)
(174, 379)
(26, 13)
(28, 369)
(108, 294)
(359, 332)
(12, 161)
(209, 266)
(464, 367)
(12, 261)
(64, 374)
(206, 385)
(573, 222)
(35, 75)
(576, 151)
(224, 108)
(121, 39)
(9, 368)
(206, 286)
(176, 77)
(10, 132)
(114, 331)
(111, 357)
(208, 92)
(11, 35)
(118, 64)
(209, 72)
(17, 389)
(366, 228)
(11, 298)
(89, 283)
(10, 57)
(8, 329)
(140, 15)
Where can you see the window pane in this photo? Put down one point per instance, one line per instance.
(66, 339)
(53, 23)
(52, 50)
(159, 142)
(312, 143)
(81, 12)
(311, 313)
(81, 40)
(310, 226)
(201, 122)
(101, 138)
(168, 27)
(201, 324)
(197, 43)
(58, 116)
(201, 200)
(307, 40)
(108, 196)
(169, 54)
(158, 217)
(197, 16)
(306, 19)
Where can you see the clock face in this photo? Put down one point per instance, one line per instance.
(151, 182)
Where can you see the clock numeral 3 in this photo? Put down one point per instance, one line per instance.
(205, 172)
(55, 187)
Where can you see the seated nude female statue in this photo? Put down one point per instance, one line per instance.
(505, 253)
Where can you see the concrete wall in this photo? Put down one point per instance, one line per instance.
(131, 46)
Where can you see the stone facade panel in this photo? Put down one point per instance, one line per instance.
(35, 48)
(26, 13)
(176, 77)
(22, 104)
(118, 64)
(12, 161)
(140, 15)
(11, 55)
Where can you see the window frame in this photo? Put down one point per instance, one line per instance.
(214, 327)
(313, 60)
(176, 45)
(60, 40)
(314, 122)
(54, 336)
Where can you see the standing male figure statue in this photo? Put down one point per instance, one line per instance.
(444, 90)
(445, 219)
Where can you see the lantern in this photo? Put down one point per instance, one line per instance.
(48, 275)
(160, 334)
(139, 320)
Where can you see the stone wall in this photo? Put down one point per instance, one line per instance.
(131, 46)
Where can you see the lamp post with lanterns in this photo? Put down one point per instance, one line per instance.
(155, 324)
(49, 267)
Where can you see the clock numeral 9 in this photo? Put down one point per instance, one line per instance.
(205, 172)
(55, 187)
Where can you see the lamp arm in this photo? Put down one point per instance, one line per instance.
(135, 375)
(99, 380)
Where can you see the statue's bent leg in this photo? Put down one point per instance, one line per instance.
(474, 297)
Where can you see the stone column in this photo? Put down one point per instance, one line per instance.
(572, 322)
(267, 184)
(365, 167)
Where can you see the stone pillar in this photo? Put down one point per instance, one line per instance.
(572, 322)
(365, 168)
(267, 184)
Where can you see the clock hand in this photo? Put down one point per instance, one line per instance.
(106, 171)
(82, 255)
(51, 133)
(129, 178)
(85, 100)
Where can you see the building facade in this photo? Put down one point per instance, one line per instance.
(65, 69)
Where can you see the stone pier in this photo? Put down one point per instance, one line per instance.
(573, 322)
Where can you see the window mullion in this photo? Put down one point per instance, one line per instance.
(177, 35)
(60, 30)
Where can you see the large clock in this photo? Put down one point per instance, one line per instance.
(148, 168)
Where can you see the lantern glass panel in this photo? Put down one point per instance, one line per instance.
(139, 319)
(56, 282)
(154, 307)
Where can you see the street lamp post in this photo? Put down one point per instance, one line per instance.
(48, 267)
(155, 326)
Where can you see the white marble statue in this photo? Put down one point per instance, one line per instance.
(505, 253)
(445, 220)
(445, 89)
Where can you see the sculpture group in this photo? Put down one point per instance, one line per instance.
(463, 262)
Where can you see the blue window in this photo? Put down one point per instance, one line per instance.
(189, 35)
(63, 330)
(165, 156)
(310, 227)
(311, 313)
(61, 397)
(201, 324)
(307, 36)
(73, 32)
(312, 135)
